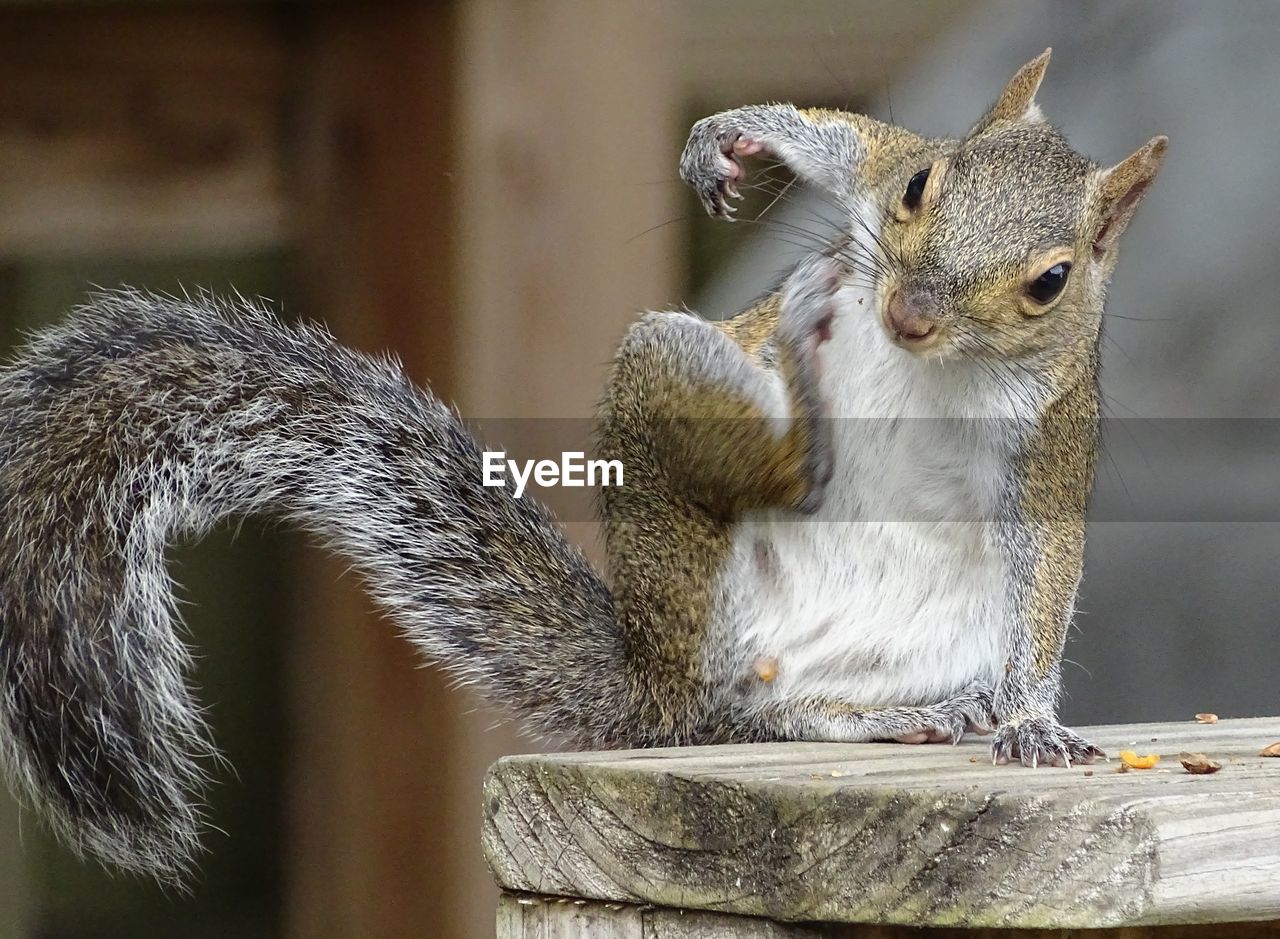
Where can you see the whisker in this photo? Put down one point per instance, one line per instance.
(671, 221)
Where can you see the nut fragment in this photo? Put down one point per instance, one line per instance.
(1198, 764)
(1206, 718)
(1133, 761)
(1273, 750)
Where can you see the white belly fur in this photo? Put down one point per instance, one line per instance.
(893, 592)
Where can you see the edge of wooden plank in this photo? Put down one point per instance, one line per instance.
(781, 831)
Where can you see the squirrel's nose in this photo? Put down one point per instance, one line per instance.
(909, 315)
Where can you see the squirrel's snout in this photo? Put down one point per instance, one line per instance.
(910, 317)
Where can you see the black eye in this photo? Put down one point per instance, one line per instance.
(1049, 284)
(915, 189)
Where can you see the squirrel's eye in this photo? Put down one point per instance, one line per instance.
(1049, 284)
(915, 189)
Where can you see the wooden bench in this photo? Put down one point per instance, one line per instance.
(807, 840)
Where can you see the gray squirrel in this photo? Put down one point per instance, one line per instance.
(791, 558)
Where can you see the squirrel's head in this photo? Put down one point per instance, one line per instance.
(1002, 244)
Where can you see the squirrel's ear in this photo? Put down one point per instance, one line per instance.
(1121, 188)
(1018, 100)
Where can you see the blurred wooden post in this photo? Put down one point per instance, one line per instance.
(474, 177)
(373, 835)
(570, 126)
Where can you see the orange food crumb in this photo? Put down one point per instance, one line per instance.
(1206, 718)
(1133, 761)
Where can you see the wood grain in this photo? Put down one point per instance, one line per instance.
(887, 834)
(526, 916)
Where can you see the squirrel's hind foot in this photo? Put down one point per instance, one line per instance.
(968, 712)
(833, 721)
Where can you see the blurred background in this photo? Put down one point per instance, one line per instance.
(488, 188)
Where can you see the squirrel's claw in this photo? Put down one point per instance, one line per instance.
(948, 722)
(710, 164)
(1041, 741)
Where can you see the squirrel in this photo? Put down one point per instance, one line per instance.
(854, 511)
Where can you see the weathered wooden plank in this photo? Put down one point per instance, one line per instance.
(887, 834)
(525, 916)
(528, 917)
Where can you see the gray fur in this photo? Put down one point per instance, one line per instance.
(821, 152)
(142, 419)
(1010, 189)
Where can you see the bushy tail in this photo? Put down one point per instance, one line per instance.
(143, 418)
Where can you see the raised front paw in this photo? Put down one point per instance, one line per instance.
(808, 305)
(712, 163)
(808, 309)
(1041, 741)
